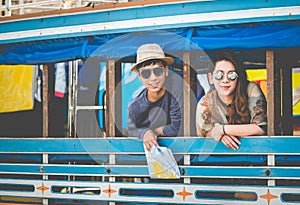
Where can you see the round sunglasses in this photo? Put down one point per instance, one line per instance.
(158, 71)
(231, 75)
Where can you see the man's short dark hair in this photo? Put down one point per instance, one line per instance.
(150, 62)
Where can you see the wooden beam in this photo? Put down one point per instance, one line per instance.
(270, 92)
(274, 92)
(110, 99)
(45, 102)
(186, 94)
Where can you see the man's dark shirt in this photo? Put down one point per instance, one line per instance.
(166, 112)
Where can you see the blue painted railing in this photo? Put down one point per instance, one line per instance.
(264, 170)
(179, 145)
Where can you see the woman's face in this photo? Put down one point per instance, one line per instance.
(224, 78)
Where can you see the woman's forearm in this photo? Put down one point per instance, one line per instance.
(243, 130)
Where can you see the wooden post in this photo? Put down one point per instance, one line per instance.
(186, 94)
(45, 102)
(270, 92)
(110, 99)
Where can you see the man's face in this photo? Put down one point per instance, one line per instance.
(153, 76)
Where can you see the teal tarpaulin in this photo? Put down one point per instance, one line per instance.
(267, 35)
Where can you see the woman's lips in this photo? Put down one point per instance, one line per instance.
(225, 87)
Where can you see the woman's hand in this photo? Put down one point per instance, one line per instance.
(217, 132)
(149, 139)
(231, 141)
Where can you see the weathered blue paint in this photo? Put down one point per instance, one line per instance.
(179, 145)
(259, 172)
(137, 13)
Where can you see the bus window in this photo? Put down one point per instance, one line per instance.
(131, 86)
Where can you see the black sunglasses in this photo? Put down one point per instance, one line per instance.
(232, 75)
(158, 71)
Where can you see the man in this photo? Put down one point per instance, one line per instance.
(157, 109)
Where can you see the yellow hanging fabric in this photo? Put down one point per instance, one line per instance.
(296, 90)
(16, 87)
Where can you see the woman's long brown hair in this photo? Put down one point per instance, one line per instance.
(238, 111)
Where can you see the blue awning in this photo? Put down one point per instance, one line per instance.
(263, 35)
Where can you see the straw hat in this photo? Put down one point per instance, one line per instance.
(150, 52)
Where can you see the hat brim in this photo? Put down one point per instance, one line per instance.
(168, 60)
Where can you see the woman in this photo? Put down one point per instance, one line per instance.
(234, 108)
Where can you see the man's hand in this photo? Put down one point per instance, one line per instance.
(159, 131)
(149, 139)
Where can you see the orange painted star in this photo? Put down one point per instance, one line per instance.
(268, 196)
(109, 191)
(184, 193)
(43, 188)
